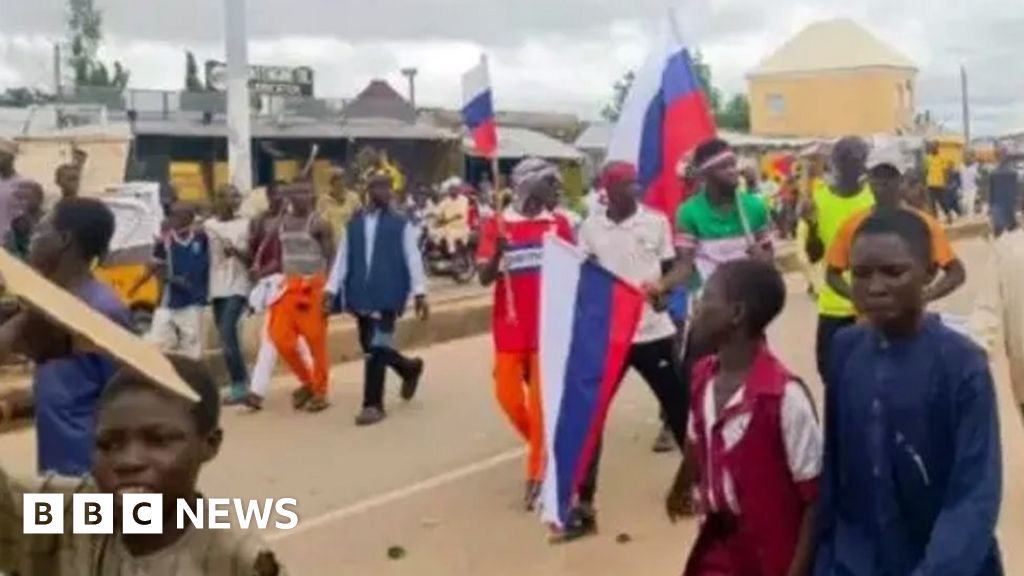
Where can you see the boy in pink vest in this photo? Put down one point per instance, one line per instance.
(753, 436)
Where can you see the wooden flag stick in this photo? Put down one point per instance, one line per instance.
(73, 315)
(499, 221)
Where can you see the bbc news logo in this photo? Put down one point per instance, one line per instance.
(144, 513)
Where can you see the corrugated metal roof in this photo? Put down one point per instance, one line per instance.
(595, 137)
(830, 45)
(184, 126)
(520, 143)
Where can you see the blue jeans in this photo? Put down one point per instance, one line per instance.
(227, 312)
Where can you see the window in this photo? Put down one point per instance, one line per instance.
(776, 105)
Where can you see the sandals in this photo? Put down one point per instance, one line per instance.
(301, 397)
(582, 523)
(317, 404)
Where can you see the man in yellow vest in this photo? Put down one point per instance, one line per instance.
(830, 205)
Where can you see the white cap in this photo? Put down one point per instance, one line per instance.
(449, 184)
(890, 155)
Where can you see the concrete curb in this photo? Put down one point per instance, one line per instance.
(463, 317)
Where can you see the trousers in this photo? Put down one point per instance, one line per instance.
(517, 388)
(298, 314)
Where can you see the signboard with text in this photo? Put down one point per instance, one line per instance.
(273, 80)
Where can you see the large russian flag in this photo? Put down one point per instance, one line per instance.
(587, 321)
(478, 109)
(664, 117)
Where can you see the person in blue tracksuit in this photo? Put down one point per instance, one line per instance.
(911, 480)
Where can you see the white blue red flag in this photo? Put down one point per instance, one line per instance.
(478, 109)
(588, 318)
(664, 117)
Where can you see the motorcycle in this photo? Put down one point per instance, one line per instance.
(440, 261)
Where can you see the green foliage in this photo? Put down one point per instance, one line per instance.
(192, 81)
(731, 115)
(620, 90)
(85, 36)
(735, 115)
(25, 97)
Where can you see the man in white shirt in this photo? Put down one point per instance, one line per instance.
(229, 282)
(969, 174)
(635, 243)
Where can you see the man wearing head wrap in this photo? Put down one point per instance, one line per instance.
(9, 183)
(830, 206)
(634, 242)
(509, 256)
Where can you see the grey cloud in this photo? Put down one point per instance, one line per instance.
(983, 34)
(495, 22)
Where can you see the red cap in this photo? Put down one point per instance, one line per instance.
(616, 173)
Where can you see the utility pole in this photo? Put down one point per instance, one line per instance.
(239, 119)
(58, 80)
(966, 106)
(410, 75)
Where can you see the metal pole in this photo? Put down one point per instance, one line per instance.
(966, 106)
(410, 75)
(58, 83)
(239, 129)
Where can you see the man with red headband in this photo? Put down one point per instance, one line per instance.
(635, 243)
(719, 224)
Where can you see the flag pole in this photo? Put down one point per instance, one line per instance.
(499, 206)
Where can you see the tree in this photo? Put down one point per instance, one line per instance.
(735, 115)
(620, 90)
(192, 82)
(85, 35)
(703, 69)
(25, 97)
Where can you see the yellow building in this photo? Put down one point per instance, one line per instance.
(833, 78)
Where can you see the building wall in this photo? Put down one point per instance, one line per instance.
(832, 104)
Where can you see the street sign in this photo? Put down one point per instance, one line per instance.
(274, 80)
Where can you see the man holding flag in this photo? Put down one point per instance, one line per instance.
(665, 116)
(510, 256)
(634, 242)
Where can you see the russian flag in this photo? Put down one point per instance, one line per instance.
(588, 318)
(478, 109)
(664, 117)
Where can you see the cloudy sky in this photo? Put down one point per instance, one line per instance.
(546, 54)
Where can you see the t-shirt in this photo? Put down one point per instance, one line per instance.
(522, 260)
(833, 210)
(228, 275)
(67, 390)
(634, 250)
(969, 179)
(719, 236)
(800, 432)
(839, 254)
(339, 214)
(187, 257)
(937, 171)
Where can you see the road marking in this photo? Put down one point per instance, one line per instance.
(401, 493)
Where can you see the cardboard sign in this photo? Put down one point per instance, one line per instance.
(78, 318)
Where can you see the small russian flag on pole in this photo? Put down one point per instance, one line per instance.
(478, 109)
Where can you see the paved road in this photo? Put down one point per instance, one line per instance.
(442, 477)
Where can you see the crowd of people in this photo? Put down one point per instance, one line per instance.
(902, 476)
